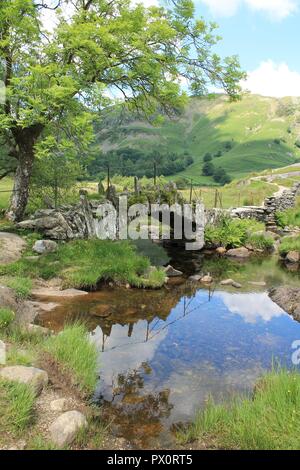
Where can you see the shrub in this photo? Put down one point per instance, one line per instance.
(208, 169)
(73, 349)
(218, 154)
(231, 233)
(221, 177)
(207, 157)
(6, 317)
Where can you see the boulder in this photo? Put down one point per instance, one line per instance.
(288, 298)
(231, 282)
(293, 257)
(7, 298)
(32, 376)
(44, 246)
(172, 272)
(39, 330)
(238, 253)
(45, 292)
(65, 428)
(11, 247)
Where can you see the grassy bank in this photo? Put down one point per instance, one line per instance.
(289, 244)
(271, 420)
(85, 263)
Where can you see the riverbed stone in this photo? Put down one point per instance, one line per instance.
(49, 292)
(172, 272)
(65, 428)
(238, 253)
(44, 246)
(32, 376)
(231, 282)
(293, 257)
(207, 279)
(37, 329)
(195, 278)
(221, 251)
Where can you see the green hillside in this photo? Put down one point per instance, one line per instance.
(253, 134)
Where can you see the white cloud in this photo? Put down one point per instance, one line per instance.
(271, 79)
(275, 9)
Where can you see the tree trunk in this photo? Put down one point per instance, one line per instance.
(20, 193)
(25, 140)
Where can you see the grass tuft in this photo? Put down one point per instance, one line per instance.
(271, 420)
(289, 244)
(73, 349)
(16, 404)
(6, 317)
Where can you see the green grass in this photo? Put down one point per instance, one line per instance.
(289, 244)
(6, 317)
(5, 185)
(85, 263)
(16, 404)
(77, 354)
(290, 217)
(21, 285)
(238, 193)
(271, 420)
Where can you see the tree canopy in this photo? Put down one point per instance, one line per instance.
(99, 50)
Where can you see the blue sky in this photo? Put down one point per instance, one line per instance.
(265, 35)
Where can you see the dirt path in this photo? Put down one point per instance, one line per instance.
(11, 247)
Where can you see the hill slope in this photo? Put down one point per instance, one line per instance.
(251, 135)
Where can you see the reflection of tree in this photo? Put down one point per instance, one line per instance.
(138, 414)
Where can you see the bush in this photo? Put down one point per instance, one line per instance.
(231, 233)
(207, 157)
(6, 317)
(73, 349)
(221, 177)
(218, 154)
(208, 169)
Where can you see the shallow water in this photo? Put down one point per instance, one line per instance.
(164, 353)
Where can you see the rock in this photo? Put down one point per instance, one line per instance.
(288, 298)
(259, 284)
(207, 279)
(51, 292)
(7, 298)
(195, 278)
(65, 428)
(61, 404)
(11, 247)
(221, 250)
(293, 257)
(39, 330)
(36, 378)
(231, 282)
(238, 253)
(44, 246)
(172, 272)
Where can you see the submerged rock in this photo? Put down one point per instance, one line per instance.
(231, 282)
(288, 298)
(65, 428)
(32, 376)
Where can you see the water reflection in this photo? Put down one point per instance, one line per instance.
(163, 353)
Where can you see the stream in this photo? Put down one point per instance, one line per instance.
(164, 353)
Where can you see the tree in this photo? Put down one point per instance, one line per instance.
(208, 169)
(221, 177)
(57, 81)
(207, 157)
